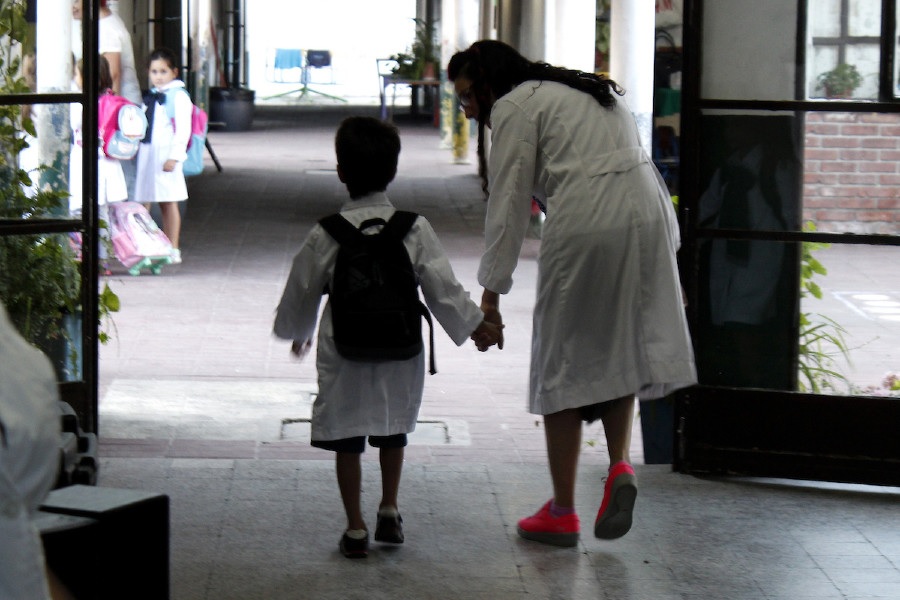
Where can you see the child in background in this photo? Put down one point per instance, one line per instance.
(111, 185)
(376, 399)
(160, 178)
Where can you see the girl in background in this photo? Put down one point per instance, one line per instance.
(160, 178)
(111, 185)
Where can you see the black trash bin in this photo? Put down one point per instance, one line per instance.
(233, 107)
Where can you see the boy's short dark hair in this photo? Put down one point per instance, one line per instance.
(367, 153)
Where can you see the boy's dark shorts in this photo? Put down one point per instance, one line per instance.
(357, 445)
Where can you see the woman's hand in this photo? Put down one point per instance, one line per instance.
(486, 335)
(169, 165)
(299, 349)
(490, 306)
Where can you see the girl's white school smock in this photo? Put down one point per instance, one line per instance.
(168, 141)
(608, 318)
(369, 398)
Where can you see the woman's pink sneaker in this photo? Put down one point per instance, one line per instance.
(544, 527)
(614, 517)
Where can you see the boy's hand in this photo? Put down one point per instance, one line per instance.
(299, 349)
(487, 334)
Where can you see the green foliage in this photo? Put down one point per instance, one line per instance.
(840, 81)
(39, 273)
(821, 338)
(424, 50)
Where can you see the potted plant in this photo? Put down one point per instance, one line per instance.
(39, 272)
(421, 59)
(425, 49)
(840, 82)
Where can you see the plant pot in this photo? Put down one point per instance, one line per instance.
(231, 107)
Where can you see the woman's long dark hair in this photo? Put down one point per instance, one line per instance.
(496, 68)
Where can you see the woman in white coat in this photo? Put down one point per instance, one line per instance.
(609, 323)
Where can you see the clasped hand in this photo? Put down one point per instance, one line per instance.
(490, 331)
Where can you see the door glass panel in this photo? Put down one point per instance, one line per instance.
(853, 342)
(864, 18)
(825, 18)
(815, 317)
(40, 285)
(734, 31)
(47, 165)
(851, 179)
(844, 52)
(751, 171)
(748, 295)
(896, 79)
(747, 308)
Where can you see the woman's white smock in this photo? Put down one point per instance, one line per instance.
(168, 141)
(608, 317)
(369, 398)
(29, 460)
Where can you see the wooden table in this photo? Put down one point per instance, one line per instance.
(393, 80)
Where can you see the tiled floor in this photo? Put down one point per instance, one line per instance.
(198, 401)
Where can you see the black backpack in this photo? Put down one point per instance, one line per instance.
(375, 306)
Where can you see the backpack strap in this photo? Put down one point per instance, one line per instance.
(342, 230)
(398, 226)
(170, 100)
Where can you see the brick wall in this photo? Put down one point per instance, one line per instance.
(852, 172)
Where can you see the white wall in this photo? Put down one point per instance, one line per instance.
(355, 32)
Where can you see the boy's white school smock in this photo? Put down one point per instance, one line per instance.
(369, 398)
(166, 142)
(608, 318)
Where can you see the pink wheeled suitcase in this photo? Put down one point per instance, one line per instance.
(137, 240)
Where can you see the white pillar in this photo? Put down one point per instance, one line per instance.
(54, 75)
(632, 24)
(571, 31)
(460, 22)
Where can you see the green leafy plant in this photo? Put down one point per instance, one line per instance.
(39, 273)
(840, 82)
(412, 64)
(822, 339)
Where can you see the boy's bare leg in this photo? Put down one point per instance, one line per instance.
(391, 468)
(349, 476)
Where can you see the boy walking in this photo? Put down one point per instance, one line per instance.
(375, 398)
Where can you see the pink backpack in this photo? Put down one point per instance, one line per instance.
(121, 125)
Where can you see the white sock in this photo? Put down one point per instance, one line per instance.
(388, 511)
(357, 534)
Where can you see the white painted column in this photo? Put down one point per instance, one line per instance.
(460, 23)
(632, 24)
(54, 75)
(570, 27)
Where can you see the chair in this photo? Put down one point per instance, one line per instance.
(317, 60)
(295, 64)
(286, 65)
